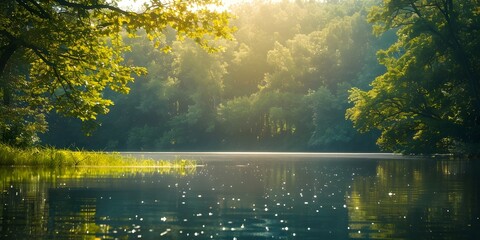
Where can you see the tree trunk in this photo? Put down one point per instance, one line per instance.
(6, 55)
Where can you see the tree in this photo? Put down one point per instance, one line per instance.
(428, 100)
(63, 54)
(194, 90)
(279, 86)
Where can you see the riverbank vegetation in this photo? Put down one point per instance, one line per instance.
(50, 157)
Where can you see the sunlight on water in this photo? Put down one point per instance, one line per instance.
(257, 199)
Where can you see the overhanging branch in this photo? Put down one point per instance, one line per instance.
(36, 10)
(93, 6)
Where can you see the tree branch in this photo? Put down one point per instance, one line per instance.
(93, 6)
(39, 52)
(58, 76)
(40, 12)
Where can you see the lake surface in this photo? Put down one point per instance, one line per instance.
(248, 196)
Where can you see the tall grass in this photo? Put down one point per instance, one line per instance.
(53, 158)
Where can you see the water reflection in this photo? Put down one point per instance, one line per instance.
(248, 199)
(416, 200)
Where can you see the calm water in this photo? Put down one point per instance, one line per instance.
(248, 197)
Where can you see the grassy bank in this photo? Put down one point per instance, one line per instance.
(53, 158)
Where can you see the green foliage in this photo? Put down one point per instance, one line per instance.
(64, 54)
(279, 85)
(428, 100)
(329, 128)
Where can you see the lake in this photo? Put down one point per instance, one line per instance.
(248, 196)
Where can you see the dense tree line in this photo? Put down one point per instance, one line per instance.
(282, 84)
(63, 55)
(298, 75)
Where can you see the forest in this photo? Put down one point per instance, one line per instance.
(281, 85)
(348, 76)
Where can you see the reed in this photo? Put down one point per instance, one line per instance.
(53, 158)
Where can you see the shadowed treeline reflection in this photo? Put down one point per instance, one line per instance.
(246, 199)
(26, 197)
(416, 200)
